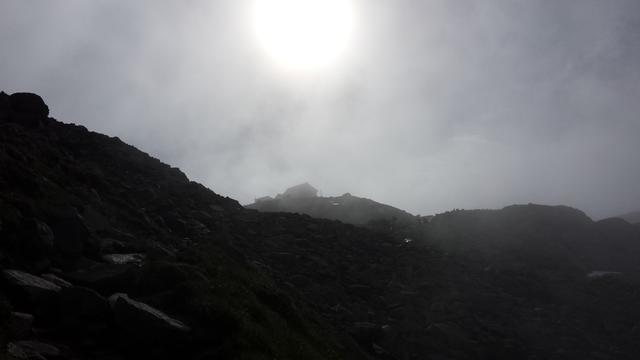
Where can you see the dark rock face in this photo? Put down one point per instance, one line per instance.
(28, 103)
(24, 108)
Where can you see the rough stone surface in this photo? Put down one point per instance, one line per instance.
(122, 259)
(142, 320)
(56, 280)
(33, 285)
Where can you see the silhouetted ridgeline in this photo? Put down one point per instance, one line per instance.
(108, 253)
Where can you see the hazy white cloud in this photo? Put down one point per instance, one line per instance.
(439, 104)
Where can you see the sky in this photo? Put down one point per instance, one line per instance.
(434, 105)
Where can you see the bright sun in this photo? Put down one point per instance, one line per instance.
(304, 34)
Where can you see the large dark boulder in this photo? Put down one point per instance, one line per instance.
(28, 103)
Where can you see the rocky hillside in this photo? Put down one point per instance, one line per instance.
(107, 253)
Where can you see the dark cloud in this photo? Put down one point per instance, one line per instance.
(439, 104)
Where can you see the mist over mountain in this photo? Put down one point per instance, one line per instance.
(438, 104)
(347, 208)
(320, 179)
(106, 252)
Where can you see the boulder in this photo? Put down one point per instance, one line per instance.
(20, 324)
(32, 292)
(34, 285)
(56, 280)
(29, 103)
(141, 322)
(122, 259)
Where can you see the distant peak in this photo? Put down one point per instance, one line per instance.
(300, 191)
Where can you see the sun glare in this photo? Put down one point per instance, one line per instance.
(304, 34)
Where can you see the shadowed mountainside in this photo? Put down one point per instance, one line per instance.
(107, 253)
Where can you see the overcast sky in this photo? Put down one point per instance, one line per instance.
(437, 104)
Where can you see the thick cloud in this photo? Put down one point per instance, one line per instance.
(438, 104)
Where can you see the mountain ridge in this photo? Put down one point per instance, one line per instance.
(346, 208)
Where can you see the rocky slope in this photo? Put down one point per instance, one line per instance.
(106, 253)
